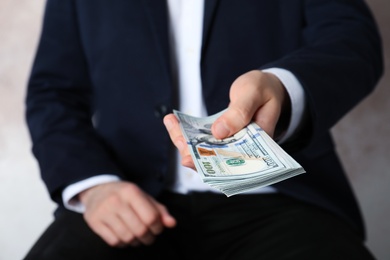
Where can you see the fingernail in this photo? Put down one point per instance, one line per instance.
(221, 130)
(168, 124)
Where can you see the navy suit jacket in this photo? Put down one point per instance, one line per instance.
(102, 81)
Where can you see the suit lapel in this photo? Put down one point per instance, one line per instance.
(158, 20)
(158, 17)
(210, 7)
(157, 14)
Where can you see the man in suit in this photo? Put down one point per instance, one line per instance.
(105, 79)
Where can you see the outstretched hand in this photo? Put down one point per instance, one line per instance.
(254, 96)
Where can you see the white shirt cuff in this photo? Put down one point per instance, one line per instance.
(69, 195)
(297, 97)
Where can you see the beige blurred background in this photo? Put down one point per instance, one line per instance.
(25, 208)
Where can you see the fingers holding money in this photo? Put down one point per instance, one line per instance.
(172, 125)
(254, 96)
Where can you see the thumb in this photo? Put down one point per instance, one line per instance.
(167, 219)
(230, 122)
(254, 96)
(245, 99)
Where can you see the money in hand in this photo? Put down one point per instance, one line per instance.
(248, 160)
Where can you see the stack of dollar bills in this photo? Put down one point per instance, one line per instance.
(248, 160)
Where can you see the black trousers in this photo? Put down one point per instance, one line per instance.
(212, 226)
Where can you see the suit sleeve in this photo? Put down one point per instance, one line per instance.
(339, 63)
(59, 105)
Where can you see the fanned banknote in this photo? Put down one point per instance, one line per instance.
(248, 160)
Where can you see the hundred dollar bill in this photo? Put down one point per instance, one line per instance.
(248, 160)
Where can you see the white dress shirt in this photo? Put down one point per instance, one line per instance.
(185, 25)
